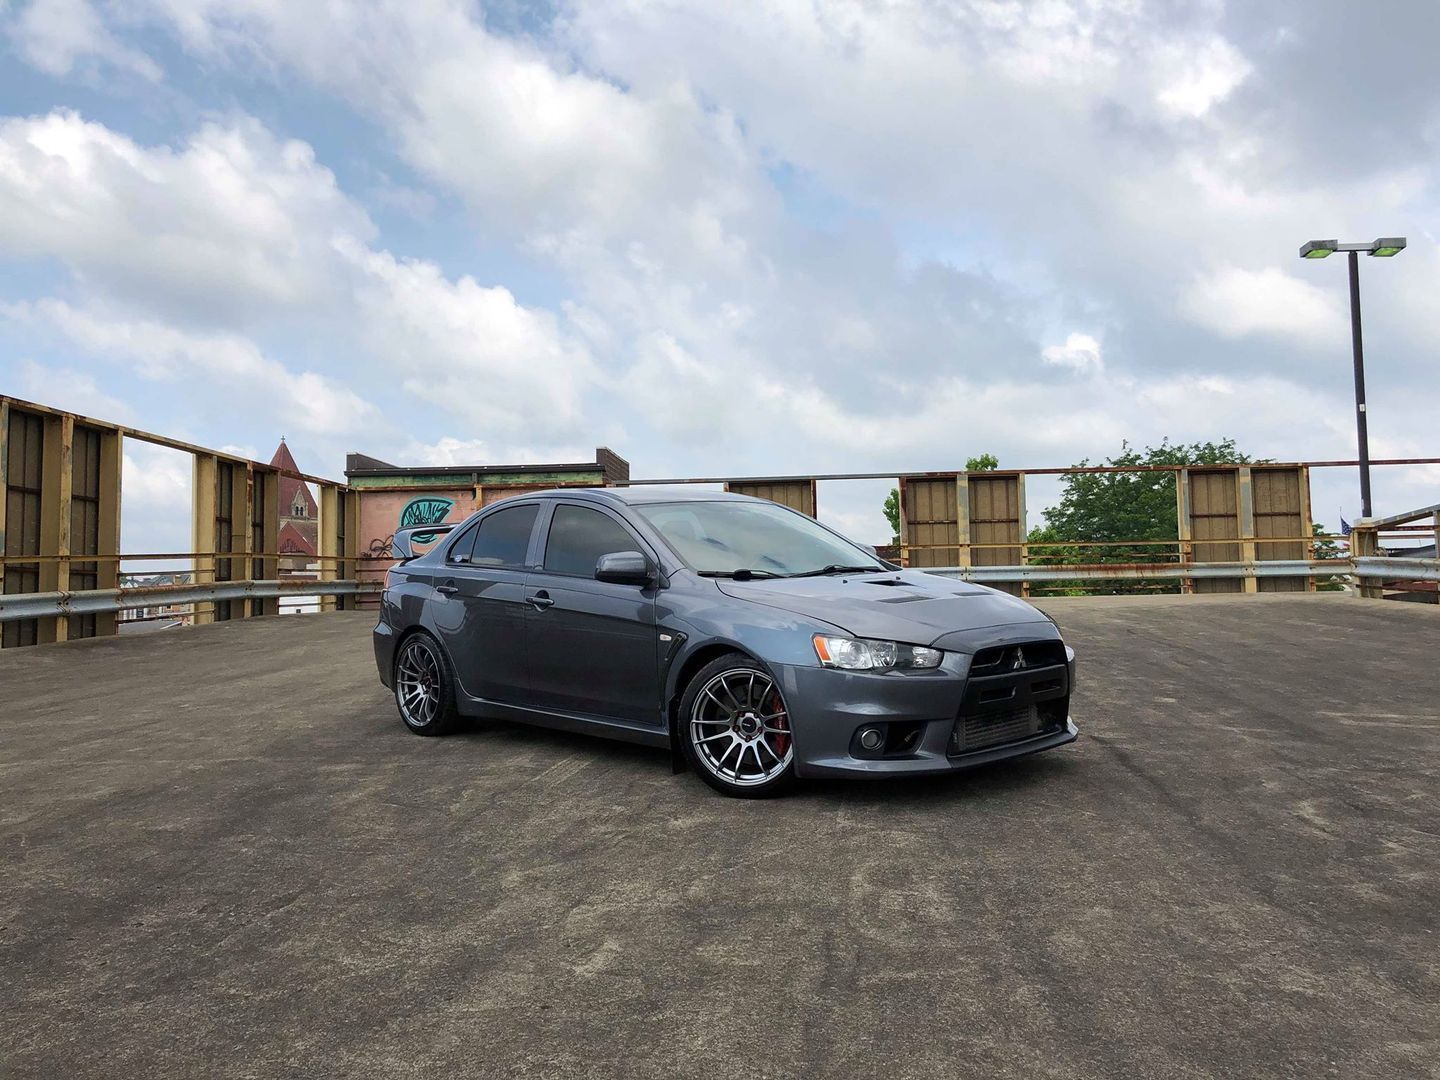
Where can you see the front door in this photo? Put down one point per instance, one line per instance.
(591, 643)
(480, 606)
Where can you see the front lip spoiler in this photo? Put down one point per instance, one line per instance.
(932, 765)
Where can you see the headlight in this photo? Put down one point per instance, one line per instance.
(861, 654)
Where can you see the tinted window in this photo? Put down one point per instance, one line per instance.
(721, 537)
(578, 537)
(461, 546)
(503, 537)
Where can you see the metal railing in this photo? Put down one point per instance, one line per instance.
(1351, 568)
(108, 601)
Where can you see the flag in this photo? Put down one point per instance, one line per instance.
(1345, 529)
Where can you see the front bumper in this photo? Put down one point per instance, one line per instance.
(827, 707)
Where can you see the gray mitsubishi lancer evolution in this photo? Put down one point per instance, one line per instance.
(750, 639)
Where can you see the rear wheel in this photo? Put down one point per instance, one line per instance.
(735, 729)
(424, 686)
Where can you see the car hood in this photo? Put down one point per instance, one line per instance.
(900, 606)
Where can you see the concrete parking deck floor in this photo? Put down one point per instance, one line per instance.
(223, 856)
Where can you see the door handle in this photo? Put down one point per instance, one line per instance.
(540, 601)
(447, 589)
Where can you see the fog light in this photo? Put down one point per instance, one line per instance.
(872, 738)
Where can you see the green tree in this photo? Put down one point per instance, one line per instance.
(1326, 549)
(892, 514)
(1132, 512)
(983, 463)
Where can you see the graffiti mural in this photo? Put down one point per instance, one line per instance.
(383, 513)
(426, 510)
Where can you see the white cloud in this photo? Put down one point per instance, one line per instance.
(232, 222)
(1203, 76)
(239, 231)
(41, 383)
(1080, 353)
(55, 35)
(1235, 302)
(449, 450)
(303, 401)
(470, 349)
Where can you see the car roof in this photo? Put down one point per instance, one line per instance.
(633, 496)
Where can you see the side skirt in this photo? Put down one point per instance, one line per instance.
(561, 721)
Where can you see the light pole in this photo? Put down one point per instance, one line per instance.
(1384, 247)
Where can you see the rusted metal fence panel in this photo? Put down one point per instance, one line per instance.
(996, 505)
(1215, 524)
(930, 522)
(1282, 516)
(796, 494)
(24, 489)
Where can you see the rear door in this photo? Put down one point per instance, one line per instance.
(591, 643)
(480, 603)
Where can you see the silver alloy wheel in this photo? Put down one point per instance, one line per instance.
(417, 683)
(740, 729)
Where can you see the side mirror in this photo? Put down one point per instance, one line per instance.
(871, 549)
(624, 568)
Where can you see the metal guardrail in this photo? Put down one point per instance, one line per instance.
(50, 604)
(97, 601)
(1371, 567)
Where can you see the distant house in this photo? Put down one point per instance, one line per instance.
(159, 615)
(299, 515)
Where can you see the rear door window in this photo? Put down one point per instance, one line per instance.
(503, 537)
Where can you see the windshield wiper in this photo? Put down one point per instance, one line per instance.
(743, 574)
(837, 568)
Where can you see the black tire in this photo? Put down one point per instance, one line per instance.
(736, 695)
(424, 686)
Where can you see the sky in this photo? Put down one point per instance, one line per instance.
(723, 239)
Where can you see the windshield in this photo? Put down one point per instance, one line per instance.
(763, 538)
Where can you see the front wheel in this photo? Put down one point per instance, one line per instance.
(424, 686)
(735, 729)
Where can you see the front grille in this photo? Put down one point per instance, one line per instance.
(1014, 693)
(995, 728)
(1021, 657)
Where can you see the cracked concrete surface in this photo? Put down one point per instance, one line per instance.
(223, 856)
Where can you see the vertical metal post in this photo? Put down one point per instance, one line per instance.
(1024, 548)
(202, 529)
(1307, 523)
(964, 557)
(904, 539)
(1185, 550)
(1359, 350)
(1245, 505)
(327, 540)
(112, 467)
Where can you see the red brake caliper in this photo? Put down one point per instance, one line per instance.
(782, 742)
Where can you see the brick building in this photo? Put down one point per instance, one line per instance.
(299, 515)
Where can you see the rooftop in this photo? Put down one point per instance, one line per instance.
(223, 849)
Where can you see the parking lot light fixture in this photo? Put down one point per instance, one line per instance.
(1385, 247)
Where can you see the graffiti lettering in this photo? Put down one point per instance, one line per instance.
(426, 510)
